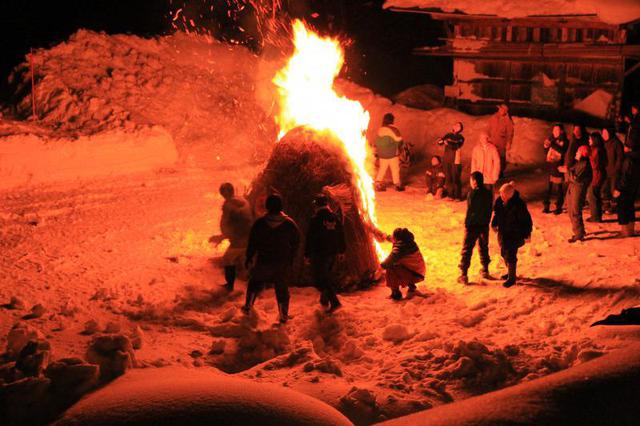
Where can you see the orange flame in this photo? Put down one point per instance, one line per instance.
(307, 98)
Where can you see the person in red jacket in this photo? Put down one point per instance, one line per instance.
(598, 160)
(405, 265)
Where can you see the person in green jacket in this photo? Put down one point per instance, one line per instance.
(387, 149)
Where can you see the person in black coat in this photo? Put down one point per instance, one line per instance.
(615, 161)
(476, 226)
(629, 184)
(580, 176)
(512, 222)
(453, 142)
(556, 146)
(324, 243)
(435, 177)
(273, 242)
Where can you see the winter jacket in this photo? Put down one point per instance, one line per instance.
(387, 142)
(615, 157)
(501, 131)
(512, 221)
(452, 143)
(580, 173)
(598, 160)
(325, 236)
(479, 203)
(235, 222)
(632, 141)
(274, 238)
(406, 254)
(486, 160)
(574, 144)
(436, 174)
(556, 154)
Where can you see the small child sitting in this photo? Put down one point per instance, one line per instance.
(405, 265)
(435, 177)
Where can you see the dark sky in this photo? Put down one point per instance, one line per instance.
(379, 37)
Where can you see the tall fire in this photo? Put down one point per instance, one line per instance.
(307, 98)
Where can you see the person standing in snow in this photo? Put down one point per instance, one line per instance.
(435, 177)
(235, 225)
(556, 146)
(579, 176)
(452, 143)
(486, 160)
(387, 146)
(501, 134)
(598, 160)
(476, 226)
(273, 242)
(615, 161)
(579, 138)
(629, 184)
(512, 222)
(324, 243)
(405, 265)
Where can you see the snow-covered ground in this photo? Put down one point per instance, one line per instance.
(130, 253)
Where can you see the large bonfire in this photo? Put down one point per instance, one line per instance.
(322, 148)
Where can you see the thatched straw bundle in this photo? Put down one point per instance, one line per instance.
(306, 163)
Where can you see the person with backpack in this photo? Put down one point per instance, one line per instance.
(452, 161)
(273, 245)
(324, 243)
(556, 147)
(387, 145)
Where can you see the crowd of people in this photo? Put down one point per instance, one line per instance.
(596, 167)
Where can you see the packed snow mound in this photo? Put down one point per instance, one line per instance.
(183, 396)
(426, 96)
(617, 12)
(32, 158)
(596, 104)
(595, 392)
(201, 91)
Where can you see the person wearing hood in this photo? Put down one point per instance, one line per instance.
(324, 243)
(235, 225)
(556, 146)
(476, 226)
(486, 160)
(580, 177)
(387, 146)
(452, 143)
(598, 160)
(512, 222)
(435, 177)
(273, 244)
(629, 184)
(405, 265)
(615, 161)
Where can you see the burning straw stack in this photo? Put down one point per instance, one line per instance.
(306, 163)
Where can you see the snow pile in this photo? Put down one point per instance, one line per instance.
(617, 12)
(183, 396)
(596, 104)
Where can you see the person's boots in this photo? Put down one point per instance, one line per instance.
(546, 209)
(511, 277)
(230, 277)
(627, 230)
(463, 278)
(248, 305)
(395, 294)
(283, 308)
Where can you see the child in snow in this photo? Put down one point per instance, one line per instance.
(512, 222)
(435, 177)
(476, 226)
(453, 142)
(556, 146)
(579, 176)
(405, 265)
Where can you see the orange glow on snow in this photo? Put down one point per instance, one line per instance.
(307, 98)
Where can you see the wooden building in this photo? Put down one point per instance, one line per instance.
(541, 65)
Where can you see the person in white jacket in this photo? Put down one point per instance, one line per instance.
(486, 160)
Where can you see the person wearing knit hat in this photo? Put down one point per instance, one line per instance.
(512, 222)
(579, 176)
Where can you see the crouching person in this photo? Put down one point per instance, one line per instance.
(512, 222)
(324, 243)
(435, 177)
(235, 224)
(476, 226)
(273, 242)
(405, 265)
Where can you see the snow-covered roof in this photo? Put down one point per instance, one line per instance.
(611, 11)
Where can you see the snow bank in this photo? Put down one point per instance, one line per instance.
(30, 159)
(617, 12)
(181, 396)
(595, 392)
(596, 104)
